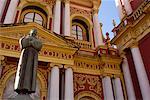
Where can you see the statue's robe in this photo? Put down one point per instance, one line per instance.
(28, 63)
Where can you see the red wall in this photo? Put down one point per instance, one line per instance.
(144, 46)
(133, 75)
(135, 4)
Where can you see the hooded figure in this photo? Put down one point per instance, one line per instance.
(25, 82)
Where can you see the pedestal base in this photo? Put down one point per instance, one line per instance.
(23, 97)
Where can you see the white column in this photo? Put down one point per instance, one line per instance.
(57, 15)
(118, 88)
(69, 93)
(127, 6)
(104, 89)
(67, 18)
(2, 7)
(107, 88)
(54, 82)
(10, 16)
(49, 86)
(128, 80)
(1, 68)
(97, 32)
(141, 73)
(119, 7)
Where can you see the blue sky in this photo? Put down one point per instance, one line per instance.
(108, 12)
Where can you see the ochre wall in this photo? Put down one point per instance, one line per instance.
(133, 75)
(144, 46)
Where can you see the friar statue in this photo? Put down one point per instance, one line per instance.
(25, 82)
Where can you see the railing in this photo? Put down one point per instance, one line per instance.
(131, 18)
(139, 11)
(83, 44)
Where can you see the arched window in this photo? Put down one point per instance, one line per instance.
(34, 14)
(33, 17)
(80, 30)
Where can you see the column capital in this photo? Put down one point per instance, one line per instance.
(122, 54)
(94, 11)
(134, 45)
(58, 0)
(66, 1)
(68, 66)
(106, 75)
(116, 76)
(1, 59)
(56, 65)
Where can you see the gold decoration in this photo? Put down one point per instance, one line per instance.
(86, 13)
(85, 82)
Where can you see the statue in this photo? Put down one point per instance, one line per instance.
(25, 82)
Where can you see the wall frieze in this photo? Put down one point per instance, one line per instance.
(86, 13)
(87, 82)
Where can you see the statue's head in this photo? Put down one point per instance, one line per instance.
(33, 32)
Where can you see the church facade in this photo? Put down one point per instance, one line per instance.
(76, 61)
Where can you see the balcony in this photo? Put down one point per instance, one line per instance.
(131, 19)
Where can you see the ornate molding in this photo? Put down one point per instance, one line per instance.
(95, 11)
(85, 82)
(86, 13)
(66, 1)
(2, 58)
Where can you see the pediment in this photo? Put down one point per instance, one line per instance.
(47, 37)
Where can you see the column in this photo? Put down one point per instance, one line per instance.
(54, 84)
(11, 12)
(69, 93)
(49, 86)
(128, 80)
(2, 7)
(118, 88)
(57, 14)
(107, 88)
(141, 73)
(127, 6)
(1, 67)
(67, 18)
(97, 32)
(119, 7)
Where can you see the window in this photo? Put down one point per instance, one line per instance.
(33, 17)
(77, 32)
(34, 14)
(80, 30)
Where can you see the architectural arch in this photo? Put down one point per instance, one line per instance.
(87, 21)
(38, 3)
(4, 79)
(86, 94)
(82, 17)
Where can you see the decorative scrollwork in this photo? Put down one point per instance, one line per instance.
(86, 82)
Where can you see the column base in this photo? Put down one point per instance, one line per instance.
(22, 97)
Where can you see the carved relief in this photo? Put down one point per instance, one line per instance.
(43, 52)
(85, 82)
(86, 65)
(80, 11)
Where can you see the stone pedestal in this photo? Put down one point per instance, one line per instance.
(22, 97)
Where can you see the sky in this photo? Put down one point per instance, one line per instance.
(108, 12)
